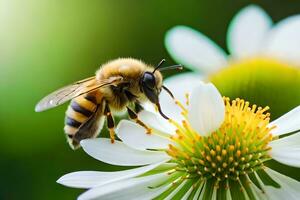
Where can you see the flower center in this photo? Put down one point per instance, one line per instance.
(238, 147)
(262, 80)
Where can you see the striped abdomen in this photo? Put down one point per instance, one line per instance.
(82, 118)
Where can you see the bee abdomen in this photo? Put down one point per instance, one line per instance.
(72, 122)
(79, 111)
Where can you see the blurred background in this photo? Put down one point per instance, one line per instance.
(47, 44)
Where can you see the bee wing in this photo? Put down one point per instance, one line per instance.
(76, 89)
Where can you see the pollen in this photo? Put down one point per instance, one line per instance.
(238, 147)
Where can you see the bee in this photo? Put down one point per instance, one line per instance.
(118, 85)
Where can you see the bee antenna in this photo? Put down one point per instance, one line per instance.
(160, 112)
(159, 65)
(179, 67)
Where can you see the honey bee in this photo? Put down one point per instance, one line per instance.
(118, 85)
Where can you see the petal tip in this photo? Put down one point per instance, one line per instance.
(241, 40)
(61, 180)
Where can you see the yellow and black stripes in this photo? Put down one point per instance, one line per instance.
(72, 122)
(78, 108)
(79, 111)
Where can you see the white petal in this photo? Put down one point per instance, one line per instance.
(194, 50)
(180, 85)
(207, 109)
(136, 137)
(119, 153)
(287, 123)
(168, 106)
(247, 31)
(148, 106)
(287, 150)
(156, 122)
(89, 179)
(183, 84)
(290, 188)
(136, 188)
(284, 41)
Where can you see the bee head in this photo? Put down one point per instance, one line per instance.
(149, 85)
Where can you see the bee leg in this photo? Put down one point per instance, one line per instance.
(110, 123)
(138, 107)
(133, 116)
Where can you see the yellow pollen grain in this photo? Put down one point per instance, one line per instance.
(224, 152)
(174, 123)
(212, 152)
(187, 98)
(213, 165)
(238, 153)
(245, 150)
(201, 162)
(184, 110)
(202, 153)
(189, 130)
(208, 158)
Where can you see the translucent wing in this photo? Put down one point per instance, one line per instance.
(76, 89)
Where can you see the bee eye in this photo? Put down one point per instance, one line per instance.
(148, 80)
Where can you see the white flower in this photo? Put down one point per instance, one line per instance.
(211, 148)
(252, 39)
(263, 64)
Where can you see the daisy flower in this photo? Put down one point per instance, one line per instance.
(211, 148)
(263, 59)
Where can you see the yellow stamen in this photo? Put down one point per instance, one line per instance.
(239, 146)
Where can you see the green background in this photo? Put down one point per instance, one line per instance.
(47, 44)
